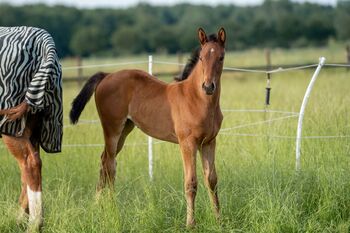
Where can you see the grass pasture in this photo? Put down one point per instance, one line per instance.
(259, 189)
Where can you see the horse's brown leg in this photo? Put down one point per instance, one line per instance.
(113, 145)
(15, 147)
(23, 198)
(34, 188)
(188, 151)
(210, 177)
(30, 164)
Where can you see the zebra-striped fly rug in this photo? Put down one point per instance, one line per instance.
(30, 71)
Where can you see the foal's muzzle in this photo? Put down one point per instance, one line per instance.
(209, 90)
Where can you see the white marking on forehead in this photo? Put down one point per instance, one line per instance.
(212, 50)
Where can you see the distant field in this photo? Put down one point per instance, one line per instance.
(258, 186)
(335, 53)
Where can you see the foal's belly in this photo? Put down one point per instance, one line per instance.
(156, 128)
(153, 118)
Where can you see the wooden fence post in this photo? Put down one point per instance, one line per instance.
(348, 55)
(180, 60)
(79, 71)
(268, 59)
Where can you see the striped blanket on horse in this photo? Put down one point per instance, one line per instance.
(30, 71)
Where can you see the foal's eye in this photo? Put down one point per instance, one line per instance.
(221, 58)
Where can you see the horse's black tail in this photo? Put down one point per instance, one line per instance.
(84, 96)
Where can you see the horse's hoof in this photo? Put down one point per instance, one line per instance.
(22, 216)
(35, 226)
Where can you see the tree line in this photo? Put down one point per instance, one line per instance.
(169, 29)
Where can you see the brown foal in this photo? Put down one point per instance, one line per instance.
(185, 112)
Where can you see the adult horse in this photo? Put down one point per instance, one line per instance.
(186, 112)
(31, 110)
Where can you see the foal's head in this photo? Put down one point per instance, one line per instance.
(211, 58)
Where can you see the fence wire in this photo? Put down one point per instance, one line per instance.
(237, 69)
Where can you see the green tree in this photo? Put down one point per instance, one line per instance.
(342, 20)
(128, 40)
(88, 40)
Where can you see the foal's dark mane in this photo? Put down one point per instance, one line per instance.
(192, 61)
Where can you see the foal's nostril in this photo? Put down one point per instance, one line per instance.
(209, 90)
(213, 86)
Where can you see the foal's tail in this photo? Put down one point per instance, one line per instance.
(84, 96)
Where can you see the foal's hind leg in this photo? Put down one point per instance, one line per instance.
(114, 142)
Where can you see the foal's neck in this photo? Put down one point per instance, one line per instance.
(195, 81)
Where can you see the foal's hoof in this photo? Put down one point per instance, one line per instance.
(98, 196)
(190, 224)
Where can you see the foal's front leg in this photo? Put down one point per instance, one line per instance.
(188, 151)
(210, 177)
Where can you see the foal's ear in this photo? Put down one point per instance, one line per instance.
(202, 36)
(222, 35)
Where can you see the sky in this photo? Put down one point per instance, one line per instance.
(128, 3)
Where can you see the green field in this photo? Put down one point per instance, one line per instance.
(258, 186)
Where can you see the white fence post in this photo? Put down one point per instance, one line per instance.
(150, 140)
(302, 110)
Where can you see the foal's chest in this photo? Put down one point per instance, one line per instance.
(204, 126)
(211, 126)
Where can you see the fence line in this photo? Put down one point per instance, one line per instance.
(258, 123)
(169, 63)
(236, 69)
(281, 69)
(258, 110)
(278, 70)
(104, 65)
(286, 137)
(338, 65)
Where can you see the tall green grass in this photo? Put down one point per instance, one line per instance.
(259, 189)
